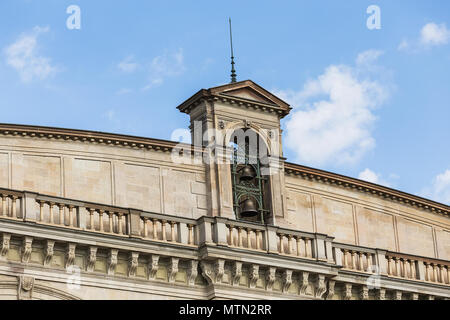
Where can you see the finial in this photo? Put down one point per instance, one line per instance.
(233, 72)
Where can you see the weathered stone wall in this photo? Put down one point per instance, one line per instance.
(108, 174)
(363, 219)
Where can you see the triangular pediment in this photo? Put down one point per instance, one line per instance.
(249, 90)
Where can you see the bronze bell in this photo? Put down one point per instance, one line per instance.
(247, 173)
(248, 208)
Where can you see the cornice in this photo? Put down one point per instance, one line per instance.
(95, 137)
(366, 187)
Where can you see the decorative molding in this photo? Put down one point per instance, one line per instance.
(304, 283)
(253, 275)
(6, 238)
(172, 269)
(25, 288)
(287, 280)
(270, 278)
(364, 293)
(347, 291)
(92, 258)
(49, 246)
(26, 249)
(112, 261)
(192, 272)
(236, 273)
(133, 261)
(319, 286)
(330, 293)
(70, 255)
(153, 266)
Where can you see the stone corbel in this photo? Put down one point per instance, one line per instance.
(364, 293)
(347, 291)
(397, 295)
(133, 263)
(270, 278)
(319, 286)
(173, 269)
(192, 272)
(6, 238)
(304, 283)
(253, 275)
(70, 255)
(153, 266)
(219, 269)
(112, 261)
(430, 297)
(26, 249)
(287, 280)
(25, 288)
(414, 296)
(49, 246)
(330, 293)
(92, 258)
(381, 294)
(236, 273)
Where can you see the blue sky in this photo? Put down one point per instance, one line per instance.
(373, 104)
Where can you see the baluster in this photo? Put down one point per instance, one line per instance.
(13, 213)
(61, 214)
(397, 266)
(369, 263)
(111, 223)
(258, 236)
(297, 240)
(308, 248)
(163, 230)
(230, 228)
(41, 210)
(51, 205)
(405, 269)
(344, 257)
(435, 275)
(389, 267)
(289, 244)
(145, 228)
(448, 274)
(427, 271)
(91, 219)
(155, 231)
(100, 217)
(249, 244)
(441, 274)
(190, 238)
(71, 216)
(353, 254)
(172, 231)
(281, 236)
(361, 262)
(120, 223)
(4, 210)
(413, 269)
(240, 237)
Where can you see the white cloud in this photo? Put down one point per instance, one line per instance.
(332, 117)
(23, 56)
(124, 91)
(128, 65)
(164, 66)
(439, 189)
(431, 35)
(370, 176)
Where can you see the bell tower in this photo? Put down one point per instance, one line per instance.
(238, 124)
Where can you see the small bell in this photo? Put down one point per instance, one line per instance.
(247, 173)
(248, 208)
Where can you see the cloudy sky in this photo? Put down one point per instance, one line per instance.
(368, 103)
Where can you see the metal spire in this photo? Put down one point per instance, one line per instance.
(233, 72)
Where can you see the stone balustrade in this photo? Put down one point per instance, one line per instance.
(356, 258)
(219, 233)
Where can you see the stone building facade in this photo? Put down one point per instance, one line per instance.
(91, 215)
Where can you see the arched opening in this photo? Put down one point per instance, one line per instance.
(250, 176)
